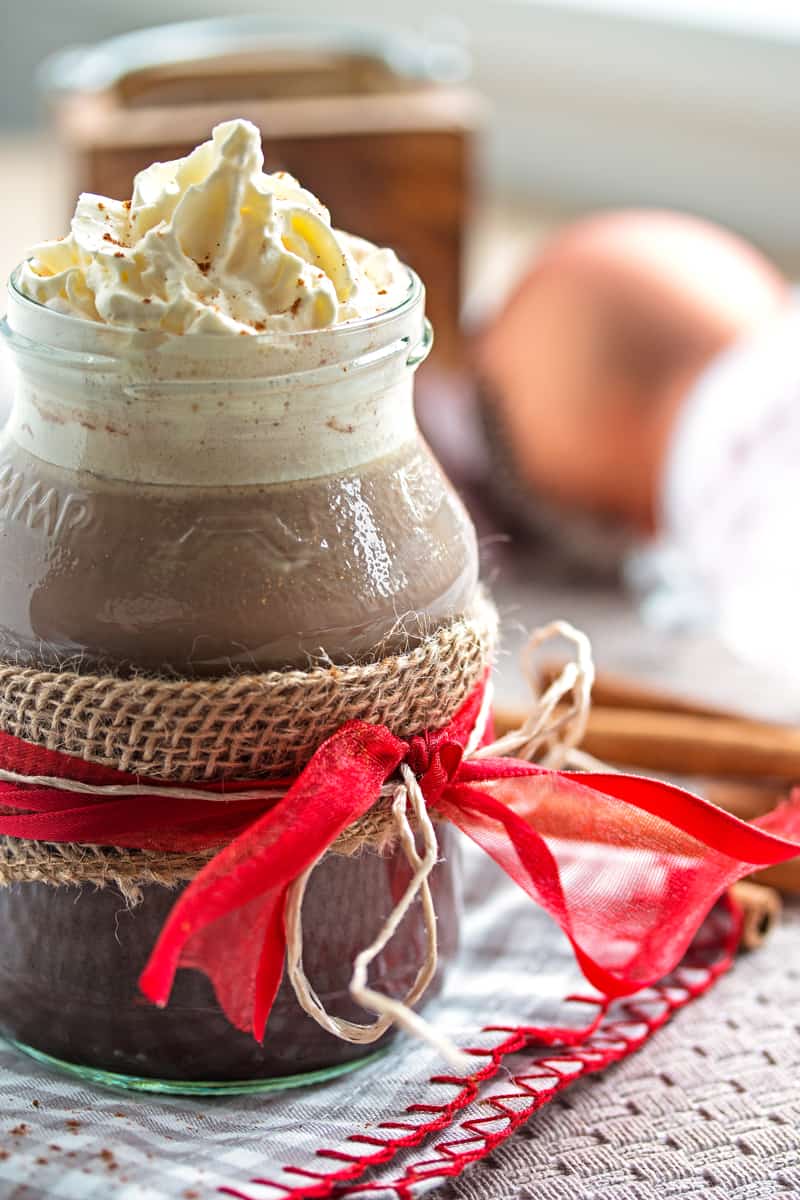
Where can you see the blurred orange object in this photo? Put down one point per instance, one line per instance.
(586, 366)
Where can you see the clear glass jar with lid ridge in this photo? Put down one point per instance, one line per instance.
(202, 506)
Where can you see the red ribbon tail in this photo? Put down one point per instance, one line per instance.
(628, 867)
(229, 922)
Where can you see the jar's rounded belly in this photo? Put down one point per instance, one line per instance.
(202, 580)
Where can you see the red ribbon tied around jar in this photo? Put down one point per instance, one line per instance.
(627, 866)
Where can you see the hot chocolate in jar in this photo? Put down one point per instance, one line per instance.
(223, 539)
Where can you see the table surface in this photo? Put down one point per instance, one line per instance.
(707, 1110)
(712, 1106)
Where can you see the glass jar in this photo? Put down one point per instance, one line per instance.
(200, 506)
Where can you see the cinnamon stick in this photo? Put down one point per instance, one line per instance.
(744, 800)
(611, 690)
(719, 746)
(686, 744)
(761, 910)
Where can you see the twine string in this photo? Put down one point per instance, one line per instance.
(545, 727)
(387, 1009)
(548, 733)
(262, 792)
(389, 1012)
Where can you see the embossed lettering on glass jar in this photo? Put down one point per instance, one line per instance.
(197, 506)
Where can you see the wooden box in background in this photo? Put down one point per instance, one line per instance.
(387, 151)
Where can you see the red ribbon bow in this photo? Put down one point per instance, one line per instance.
(627, 866)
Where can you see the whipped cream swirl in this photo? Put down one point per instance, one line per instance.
(211, 244)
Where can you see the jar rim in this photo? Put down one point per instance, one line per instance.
(35, 331)
(95, 404)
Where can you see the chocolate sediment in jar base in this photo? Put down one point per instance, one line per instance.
(204, 580)
(72, 957)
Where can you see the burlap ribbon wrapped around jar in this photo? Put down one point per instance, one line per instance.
(262, 726)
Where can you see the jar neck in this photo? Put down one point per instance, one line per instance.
(213, 411)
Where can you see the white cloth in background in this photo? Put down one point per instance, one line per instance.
(729, 557)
